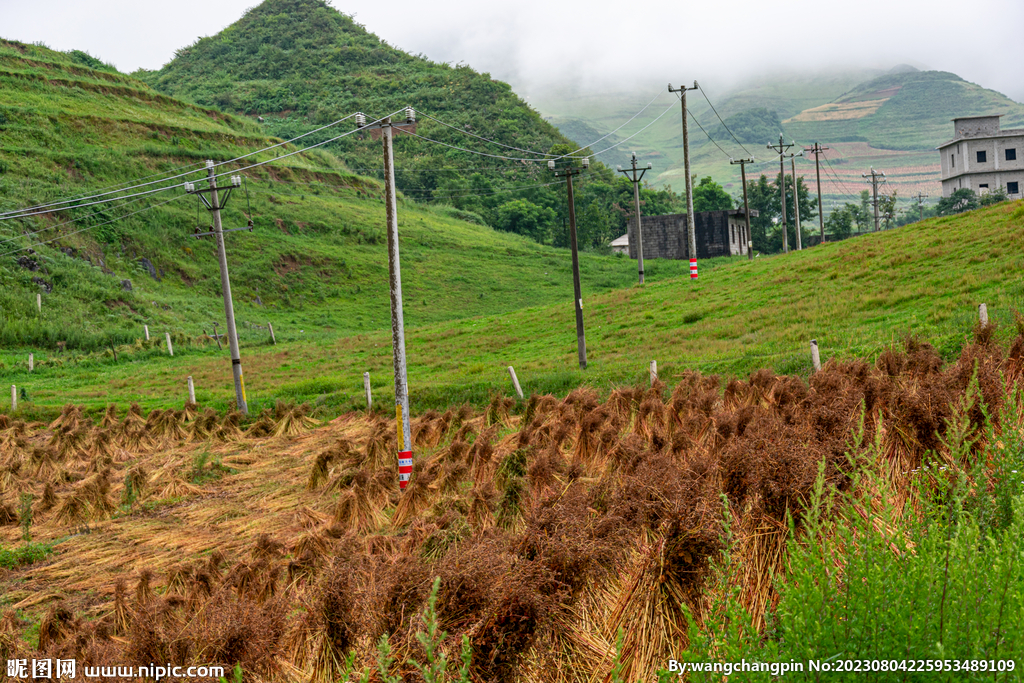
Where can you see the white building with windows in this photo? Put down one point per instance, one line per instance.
(982, 157)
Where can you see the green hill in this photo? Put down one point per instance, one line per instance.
(316, 261)
(300, 63)
(890, 121)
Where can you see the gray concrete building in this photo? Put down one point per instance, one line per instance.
(982, 157)
(718, 233)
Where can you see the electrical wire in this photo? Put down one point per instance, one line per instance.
(723, 122)
(54, 227)
(667, 109)
(480, 137)
(114, 220)
(727, 155)
(21, 213)
(660, 92)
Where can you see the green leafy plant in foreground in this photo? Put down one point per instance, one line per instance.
(867, 580)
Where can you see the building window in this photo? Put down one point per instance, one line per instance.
(952, 160)
(1011, 154)
(983, 186)
(981, 157)
(1012, 188)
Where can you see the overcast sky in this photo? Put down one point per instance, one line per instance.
(600, 45)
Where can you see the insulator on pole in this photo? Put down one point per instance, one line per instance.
(586, 162)
(209, 163)
(551, 164)
(360, 119)
(410, 115)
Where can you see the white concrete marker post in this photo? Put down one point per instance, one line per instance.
(515, 381)
(366, 388)
(14, 398)
(39, 302)
(170, 349)
(983, 314)
(654, 372)
(146, 328)
(270, 326)
(191, 390)
(31, 362)
(815, 358)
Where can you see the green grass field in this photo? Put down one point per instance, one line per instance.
(855, 297)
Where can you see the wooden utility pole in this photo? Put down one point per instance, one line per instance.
(636, 175)
(568, 172)
(746, 206)
(691, 230)
(874, 175)
(402, 423)
(818, 149)
(781, 149)
(920, 205)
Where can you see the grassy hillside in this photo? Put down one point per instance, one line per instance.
(315, 262)
(855, 297)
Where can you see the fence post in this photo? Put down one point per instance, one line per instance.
(654, 372)
(983, 314)
(191, 390)
(270, 326)
(366, 388)
(146, 328)
(170, 349)
(31, 362)
(14, 398)
(815, 358)
(515, 381)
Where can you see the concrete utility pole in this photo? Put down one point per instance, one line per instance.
(691, 230)
(818, 149)
(874, 175)
(568, 172)
(746, 206)
(214, 205)
(796, 201)
(781, 149)
(402, 425)
(920, 205)
(632, 174)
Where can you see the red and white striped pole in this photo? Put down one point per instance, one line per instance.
(693, 269)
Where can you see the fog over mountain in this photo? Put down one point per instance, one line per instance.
(594, 46)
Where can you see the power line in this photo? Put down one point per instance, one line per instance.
(723, 122)
(54, 227)
(690, 112)
(620, 127)
(113, 220)
(21, 213)
(480, 137)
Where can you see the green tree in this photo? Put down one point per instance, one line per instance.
(840, 222)
(961, 200)
(525, 218)
(710, 196)
(994, 197)
(766, 228)
(887, 207)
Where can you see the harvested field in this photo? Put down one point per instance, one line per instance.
(552, 524)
